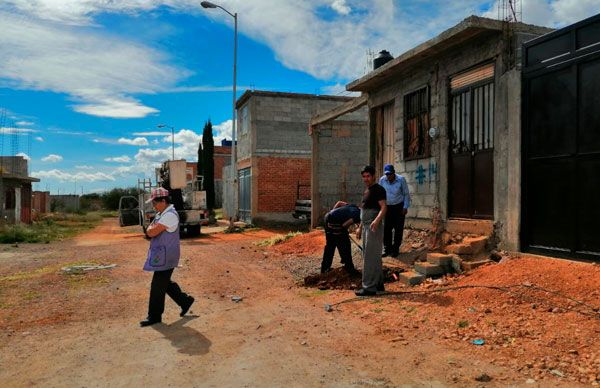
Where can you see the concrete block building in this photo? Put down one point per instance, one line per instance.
(447, 114)
(15, 190)
(274, 152)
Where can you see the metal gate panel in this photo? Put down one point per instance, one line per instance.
(561, 142)
(471, 189)
(245, 195)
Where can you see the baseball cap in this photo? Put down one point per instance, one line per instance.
(388, 169)
(158, 192)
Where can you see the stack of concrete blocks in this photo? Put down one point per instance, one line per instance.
(458, 258)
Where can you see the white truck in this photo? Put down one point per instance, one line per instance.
(186, 195)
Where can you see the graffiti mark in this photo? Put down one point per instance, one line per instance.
(432, 171)
(420, 175)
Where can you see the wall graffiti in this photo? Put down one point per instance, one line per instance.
(422, 174)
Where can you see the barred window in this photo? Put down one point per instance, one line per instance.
(416, 124)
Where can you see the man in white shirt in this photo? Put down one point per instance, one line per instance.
(398, 202)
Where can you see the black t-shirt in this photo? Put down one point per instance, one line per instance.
(372, 195)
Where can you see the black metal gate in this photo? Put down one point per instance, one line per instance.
(561, 142)
(471, 188)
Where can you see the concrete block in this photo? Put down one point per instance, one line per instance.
(457, 264)
(410, 278)
(469, 246)
(428, 269)
(471, 265)
(440, 259)
(410, 257)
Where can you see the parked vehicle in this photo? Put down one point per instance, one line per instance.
(186, 195)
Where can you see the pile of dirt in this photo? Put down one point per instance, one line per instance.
(306, 244)
(336, 279)
(539, 316)
(340, 279)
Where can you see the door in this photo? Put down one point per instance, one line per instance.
(129, 211)
(383, 137)
(471, 175)
(562, 165)
(245, 195)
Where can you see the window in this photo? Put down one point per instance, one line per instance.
(416, 124)
(244, 120)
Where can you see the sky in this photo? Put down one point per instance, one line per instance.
(84, 84)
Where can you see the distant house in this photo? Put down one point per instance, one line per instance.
(41, 202)
(222, 158)
(65, 203)
(274, 153)
(15, 190)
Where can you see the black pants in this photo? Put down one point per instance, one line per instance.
(161, 285)
(393, 226)
(341, 241)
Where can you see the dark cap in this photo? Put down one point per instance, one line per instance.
(388, 169)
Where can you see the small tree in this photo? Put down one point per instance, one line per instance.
(208, 165)
(200, 165)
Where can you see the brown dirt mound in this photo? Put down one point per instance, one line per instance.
(303, 245)
(339, 279)
(537, 327)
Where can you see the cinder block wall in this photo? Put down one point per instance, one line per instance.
(340, 150)
(277, 147)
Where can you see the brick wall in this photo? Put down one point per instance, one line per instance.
(277, 180)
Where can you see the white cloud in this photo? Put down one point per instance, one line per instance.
(18, 131)
(151, 133)
(39, 138)
(338, 89)
(52, 158)
(119, 159)
(99, 71)
(341, 7)
(68, 176)
(222, 131)
(24, 123)
(552, 13)
(84, 167)
(155, 142)
(138, 141)
(24, 155)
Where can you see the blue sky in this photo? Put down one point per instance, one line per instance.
(84, 83)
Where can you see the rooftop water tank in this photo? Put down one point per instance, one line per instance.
(383, 58)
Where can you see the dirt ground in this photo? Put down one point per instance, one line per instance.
(62, 329)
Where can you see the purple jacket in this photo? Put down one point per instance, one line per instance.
(163, 253)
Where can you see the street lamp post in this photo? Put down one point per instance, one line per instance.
(208, 4)
(172, 137)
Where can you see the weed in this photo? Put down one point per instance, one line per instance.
(31, 295)
(50, 228)
(463, 324)
(277, 239)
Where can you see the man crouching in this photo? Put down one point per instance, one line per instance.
(337, 222)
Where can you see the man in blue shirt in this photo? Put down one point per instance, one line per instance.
(398, 202)
(337, 222)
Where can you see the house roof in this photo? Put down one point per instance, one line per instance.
(220, 150)
(264, 93)
(18, 177)
(469, 28)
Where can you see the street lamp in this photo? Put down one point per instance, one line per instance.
(208, 4)
(172, 137)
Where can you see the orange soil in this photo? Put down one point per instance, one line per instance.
(303, 245)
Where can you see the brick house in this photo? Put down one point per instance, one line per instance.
(447, 115)
(15, 190)
(274, 152)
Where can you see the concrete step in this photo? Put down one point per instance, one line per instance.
(471, 265)
(469, 246)
(441, 259)
(410, 278)
(410, 257)
(428, 269)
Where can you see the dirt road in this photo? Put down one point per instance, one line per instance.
(82, 330)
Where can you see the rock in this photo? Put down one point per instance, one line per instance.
(530, 381)
(556, 372)
(484, 378)
(328, 308)
(236, 299)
